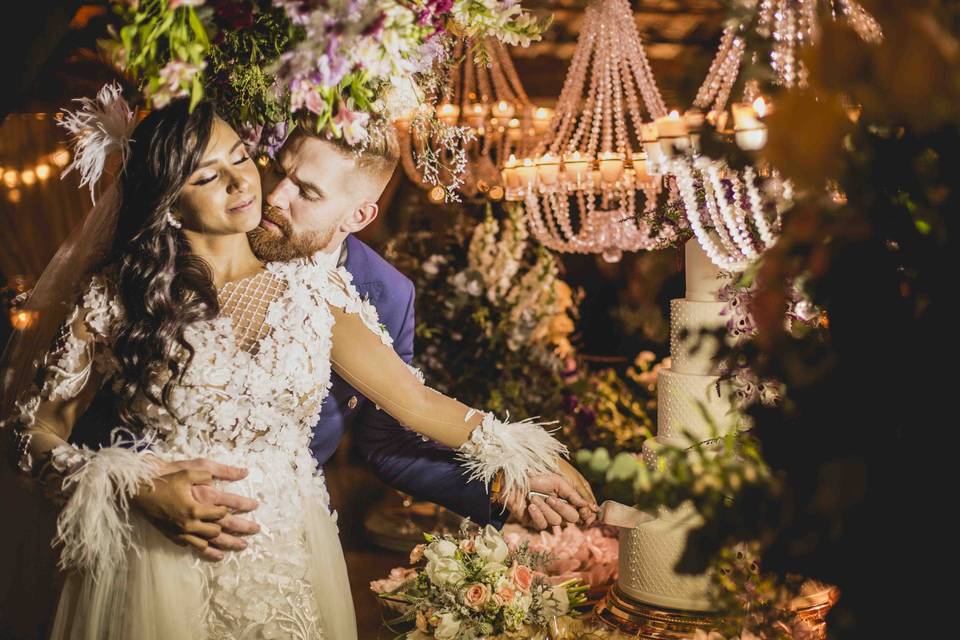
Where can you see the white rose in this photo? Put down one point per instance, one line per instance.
(490, 545)
(443, 571)
(440, 549)
(448, 627)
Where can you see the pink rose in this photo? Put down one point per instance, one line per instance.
(397, 577)
(476, 596)
(422, 621)
(522, 576)
(468, 545)
(506, 594)
(417, 553)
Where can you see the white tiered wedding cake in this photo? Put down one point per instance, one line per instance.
(692, 407)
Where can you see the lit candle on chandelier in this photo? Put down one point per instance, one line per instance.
(548, 169)
(640, 173)
(503, 109)
(541, 119)
(611, 166)
(527, 173)
(648, 135)
(475, 115)
(671, 126)
(448, 113)
(576, 167)
(751, 133)
(510, 176)
(514, 132)
(672, 132)
(693, 119)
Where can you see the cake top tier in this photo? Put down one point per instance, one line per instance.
(703, 277)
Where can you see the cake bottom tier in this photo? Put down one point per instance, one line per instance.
(648, 555)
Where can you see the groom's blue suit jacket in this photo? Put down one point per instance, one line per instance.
(399, 457)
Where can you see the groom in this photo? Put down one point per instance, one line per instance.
(317, 194)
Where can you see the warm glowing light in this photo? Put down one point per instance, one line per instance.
(22, 319)
(503, 109)
(437, 194)
(61, 158)
(11, 178)
(43, 171)
(761, 107)
(14, 195)
(28, 177)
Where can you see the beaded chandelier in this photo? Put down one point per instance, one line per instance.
(485, 95)
(598, 164)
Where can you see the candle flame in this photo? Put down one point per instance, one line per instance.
(760, 106)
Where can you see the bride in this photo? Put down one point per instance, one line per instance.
(202, 371)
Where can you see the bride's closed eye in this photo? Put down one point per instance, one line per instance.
(208, 178)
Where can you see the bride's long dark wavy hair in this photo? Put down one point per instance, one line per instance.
(163, 286)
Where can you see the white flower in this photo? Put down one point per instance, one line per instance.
(448, 627)
(491, 547)
(441, 549)
(443, 571)
(495, 571)
(474, 288)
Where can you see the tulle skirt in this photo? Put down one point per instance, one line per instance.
(291, 582)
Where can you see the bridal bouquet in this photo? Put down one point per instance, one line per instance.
(474, 586)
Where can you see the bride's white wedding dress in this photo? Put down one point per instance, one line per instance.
(250, 398)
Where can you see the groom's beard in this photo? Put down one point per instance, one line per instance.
(285, 244)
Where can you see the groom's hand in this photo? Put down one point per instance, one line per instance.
(570, 486)
(189, 510)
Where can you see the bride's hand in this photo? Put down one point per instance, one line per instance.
(540, 513)
(188, 509)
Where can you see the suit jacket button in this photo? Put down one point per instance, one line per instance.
(352, 402)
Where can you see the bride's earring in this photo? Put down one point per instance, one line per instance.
(172, 221)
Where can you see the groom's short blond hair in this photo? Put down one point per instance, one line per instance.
(377, 157)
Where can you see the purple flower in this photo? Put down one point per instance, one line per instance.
(250, 136)
(274, 139)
